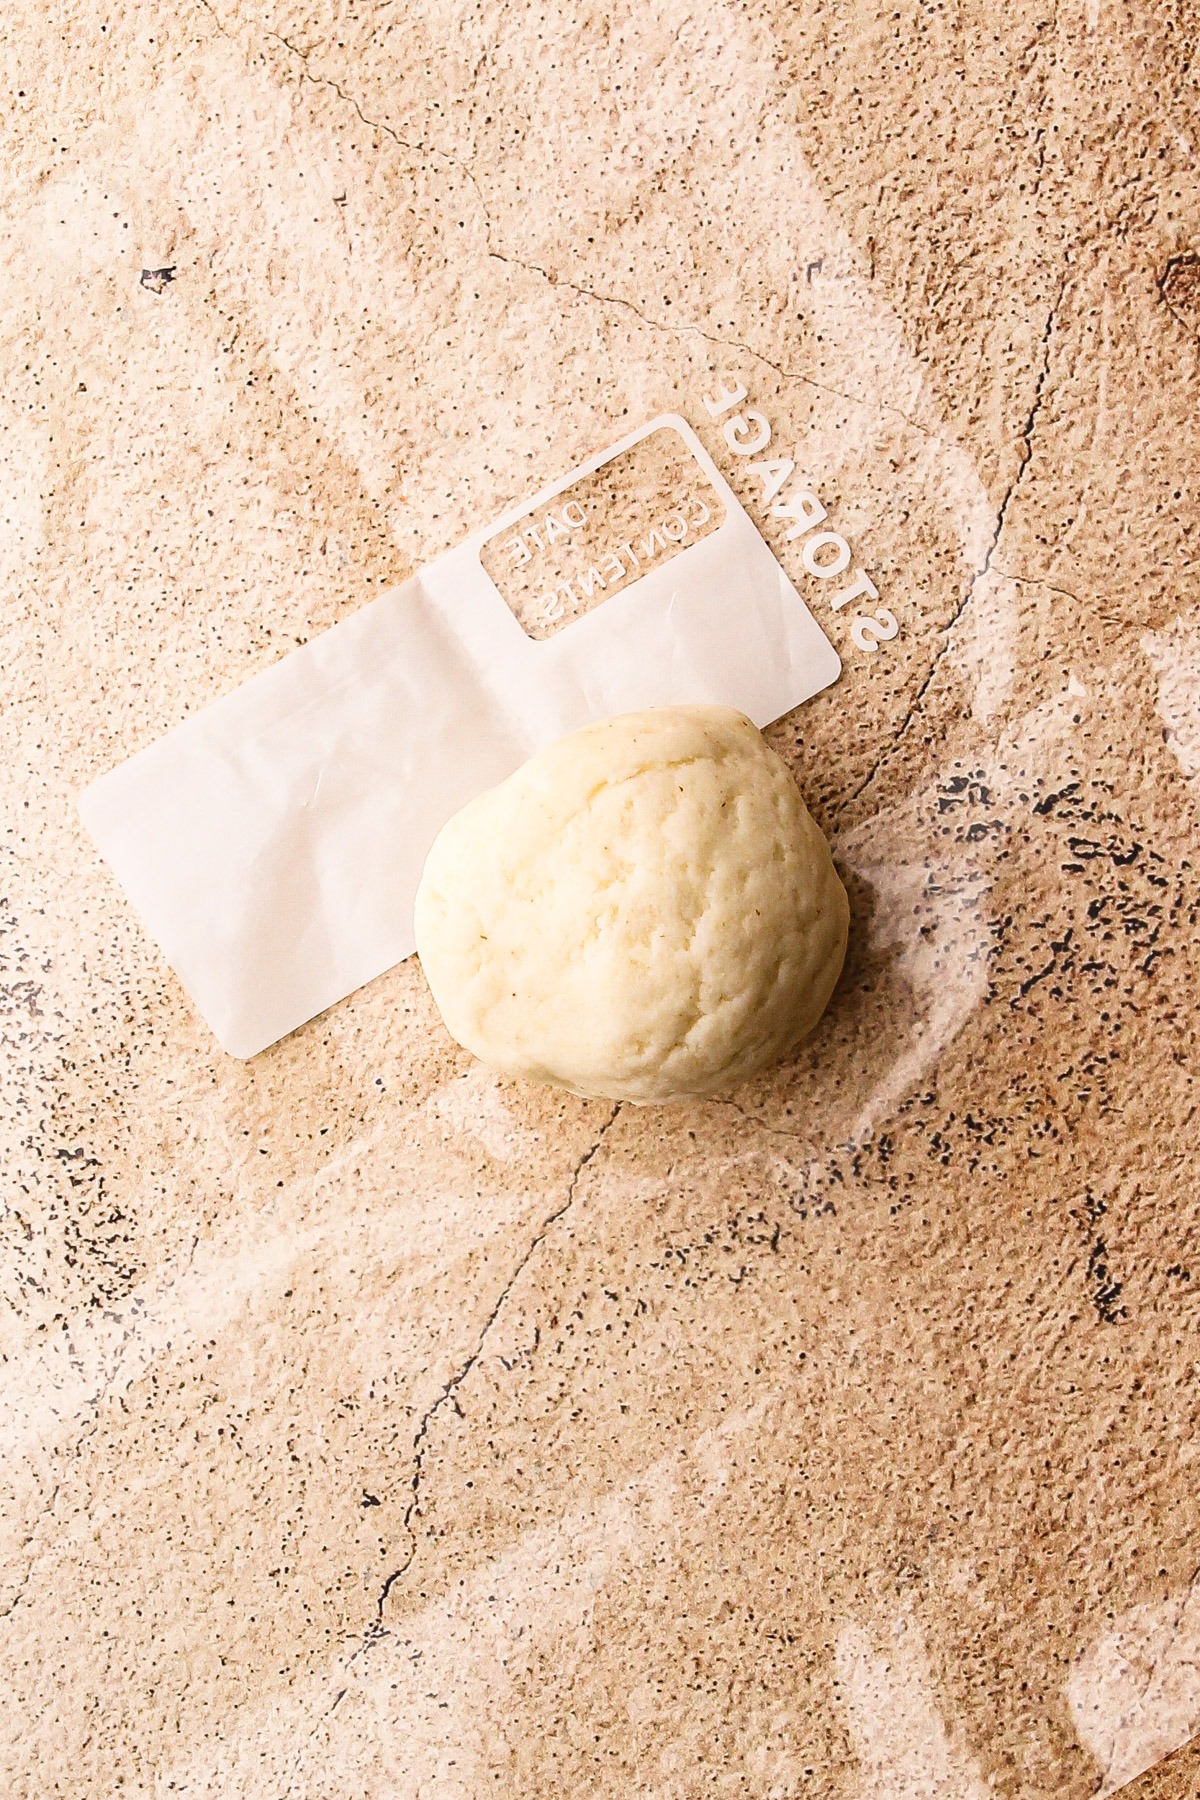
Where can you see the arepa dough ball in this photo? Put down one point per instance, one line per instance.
(644, 911)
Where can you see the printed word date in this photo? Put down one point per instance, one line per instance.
(542, 534)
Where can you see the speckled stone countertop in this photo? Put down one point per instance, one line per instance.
(373, 1426)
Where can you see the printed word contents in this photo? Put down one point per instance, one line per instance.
(618, 564)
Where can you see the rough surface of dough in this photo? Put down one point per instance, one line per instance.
(644, 911)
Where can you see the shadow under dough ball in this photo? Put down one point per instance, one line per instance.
(644, 911)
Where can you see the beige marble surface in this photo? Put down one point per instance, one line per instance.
(375, 1427)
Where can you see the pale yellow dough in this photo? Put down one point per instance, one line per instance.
(645, 911)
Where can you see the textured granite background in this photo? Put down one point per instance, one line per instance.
(372, 1426)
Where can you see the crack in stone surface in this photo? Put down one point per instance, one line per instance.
(421, 147)
(1036, 581)
(215, 16)
(47, 1512)
(1024, 458)
(686, 328)
(417, 146)
(753, 1118)
(450, 1388)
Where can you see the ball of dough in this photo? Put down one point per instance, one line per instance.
(644, 911)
